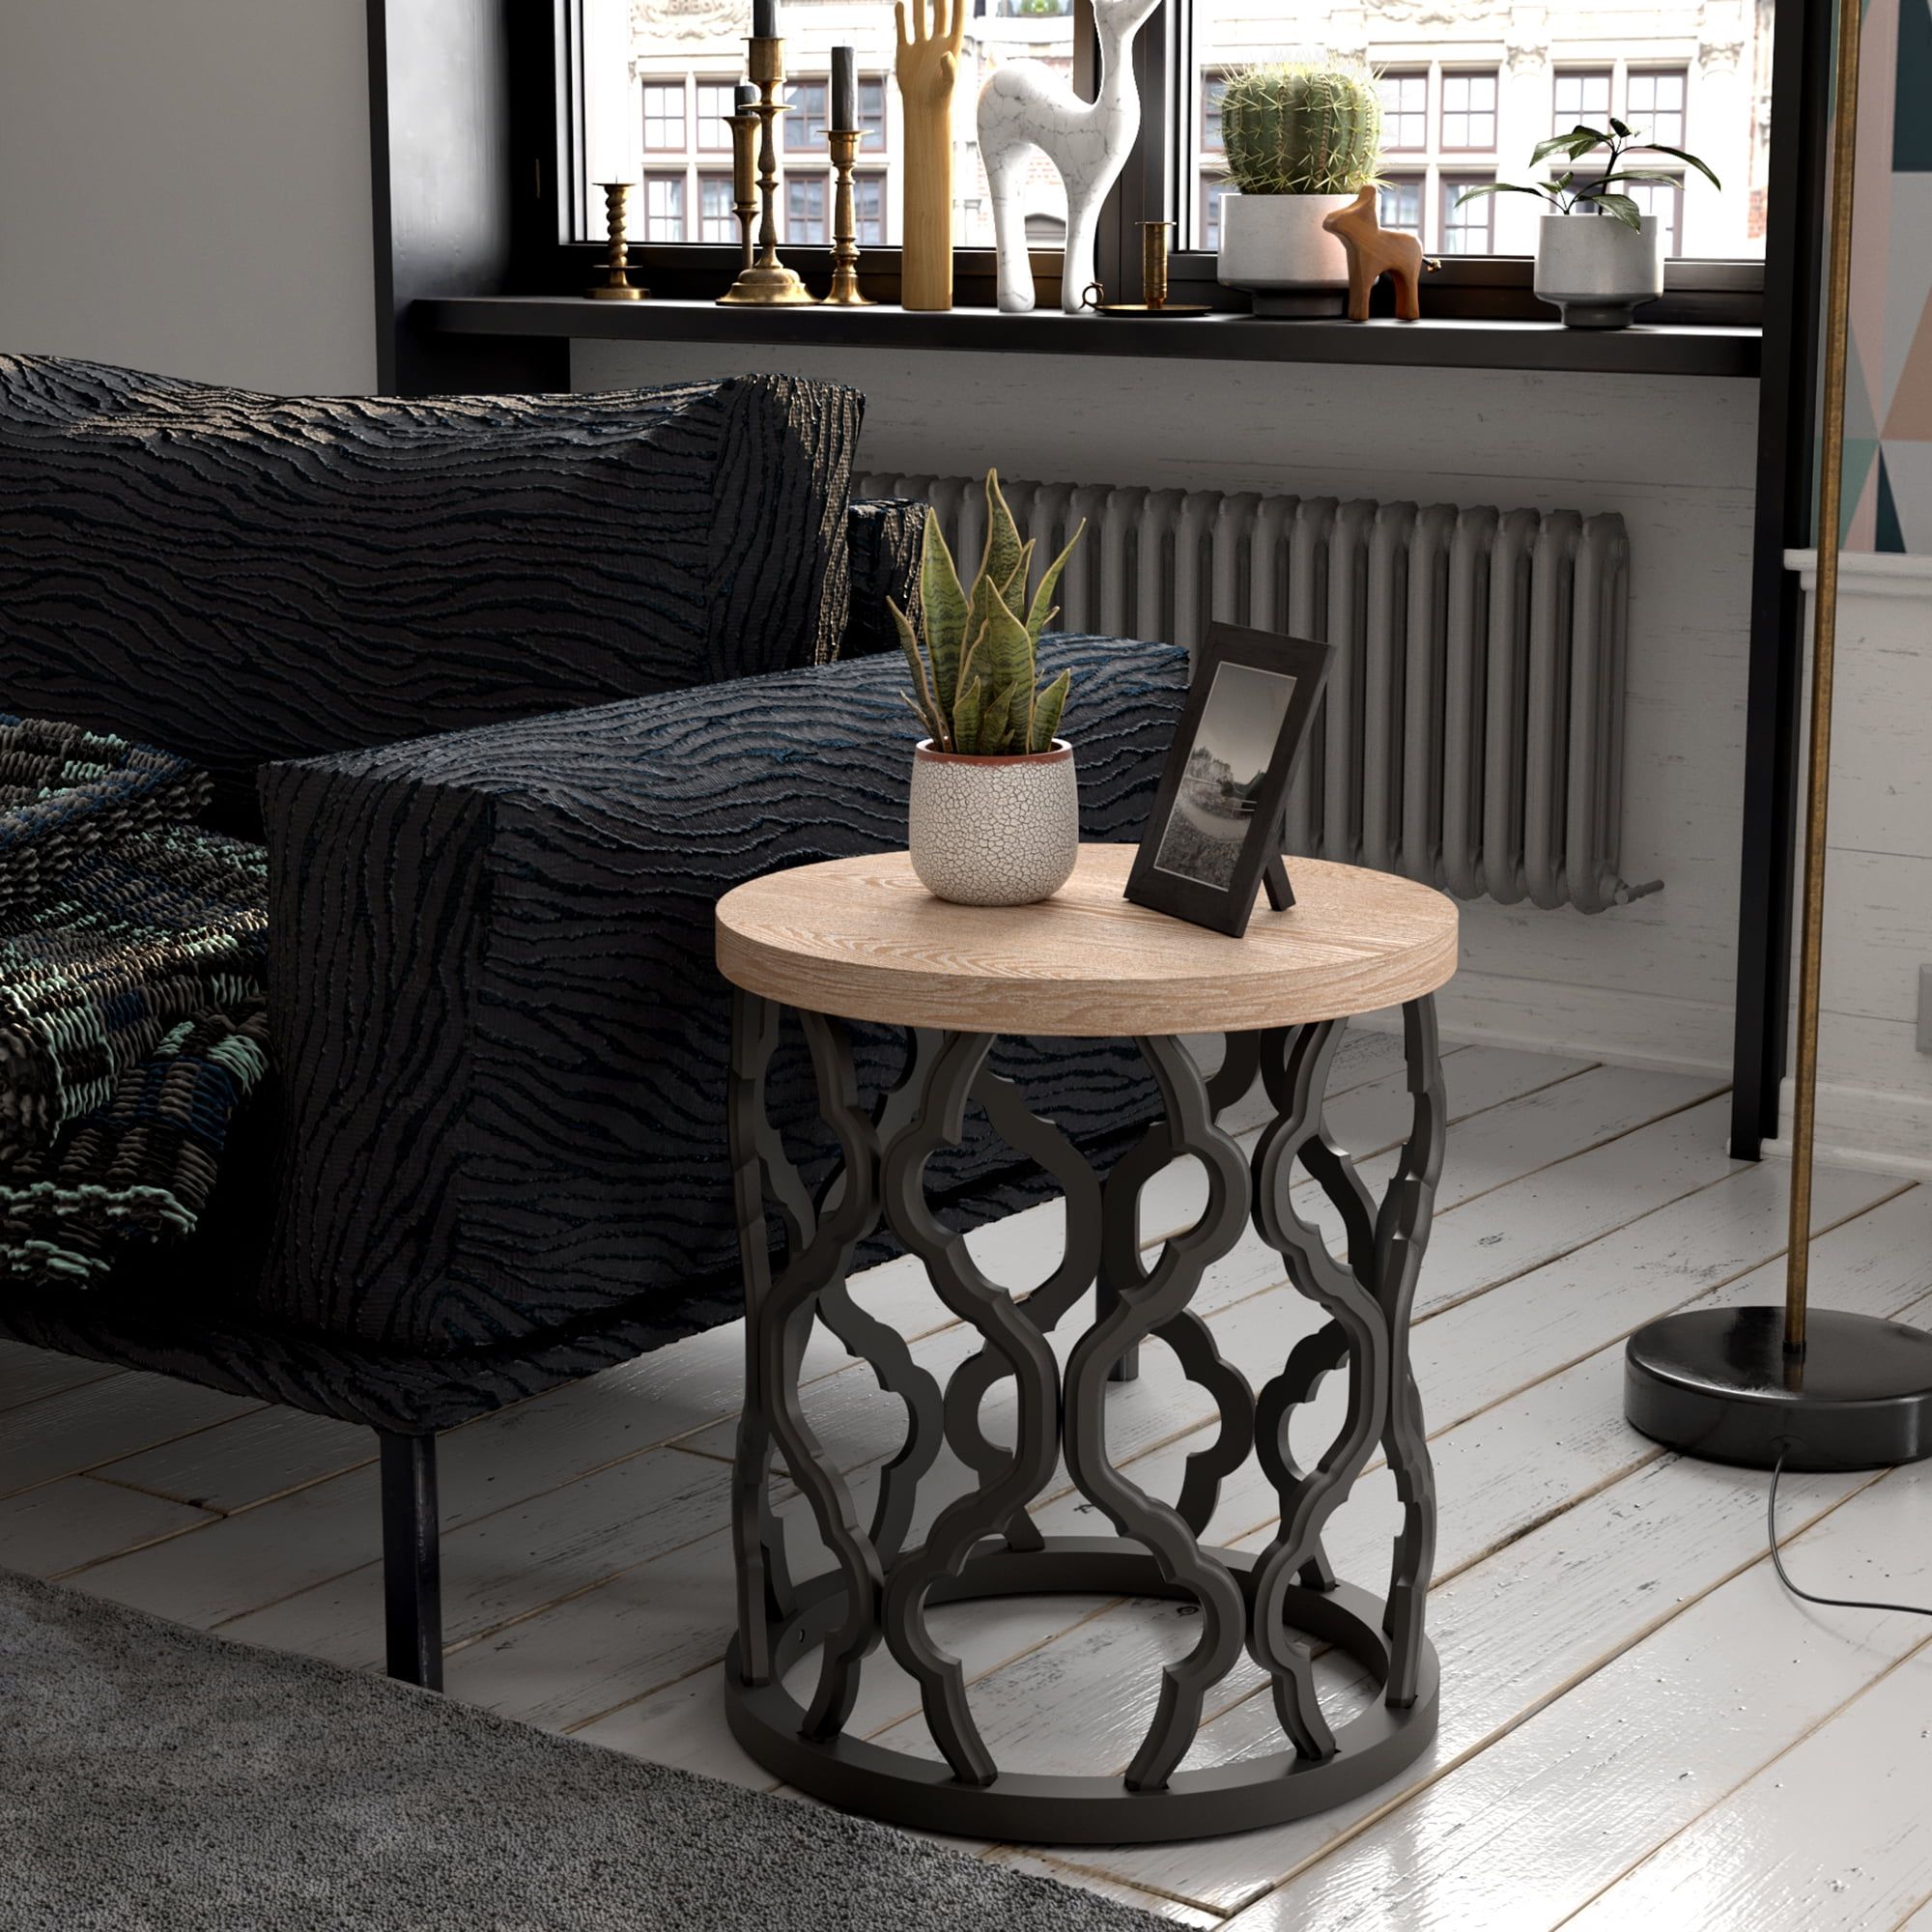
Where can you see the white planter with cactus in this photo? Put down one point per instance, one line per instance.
(994, 812)
(1301, 140)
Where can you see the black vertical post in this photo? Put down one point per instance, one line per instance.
(411, 1561)
(1787, 415)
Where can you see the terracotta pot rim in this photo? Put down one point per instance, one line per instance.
(1060, 752)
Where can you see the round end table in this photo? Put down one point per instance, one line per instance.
(861, 939)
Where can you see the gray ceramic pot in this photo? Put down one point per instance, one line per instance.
(1596, 270)
(1275, 245)
(1003, 830)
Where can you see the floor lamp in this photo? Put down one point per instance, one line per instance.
(1818, 1389)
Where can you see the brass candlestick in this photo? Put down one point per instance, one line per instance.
(1154, 262)
(844, 145)
(767, 282)
(743, 122)
(617, 287)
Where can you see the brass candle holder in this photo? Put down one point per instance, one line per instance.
(617, 286)
(767, 282)
(844, 145)
(743, 122)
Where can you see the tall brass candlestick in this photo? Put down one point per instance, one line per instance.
(767, 282)
(744, 127)
(617, 287)
(844, 145)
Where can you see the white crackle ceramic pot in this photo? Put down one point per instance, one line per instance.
(993, 831)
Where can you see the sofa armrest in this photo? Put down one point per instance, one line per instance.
(499, 1029)
(883, 535)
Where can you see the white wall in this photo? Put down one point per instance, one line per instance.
(1651, 982)
(1874, 1087)
(185, 188)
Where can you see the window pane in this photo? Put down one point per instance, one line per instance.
(868, 206)
(1398, 205)
(1665, 201)
(1008, 31)
(804, 125)
(664, 117)
(715, 107)
(1453, 108)
(716, 222)
(1468, 229)
(1213, 194)
(872, 114)
(805, 210)
(664, 207)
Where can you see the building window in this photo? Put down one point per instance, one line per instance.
(1469, 113)
(1404, 113)
(664, 117)
(716, 220)
(1655, 103)
(873, 113)
(1470, 229)
(1582, 100)
(717, 102)
(1214, 90)
(805, 210)
(1665, 201)
(1213, 194)
(664, 207)
(868, 210)
(1399, 204)
(805, 125)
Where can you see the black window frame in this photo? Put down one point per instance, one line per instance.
(546, 124)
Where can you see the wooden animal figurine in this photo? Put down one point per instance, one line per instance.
(1023, 106)
(925, 69)
(1375, 251)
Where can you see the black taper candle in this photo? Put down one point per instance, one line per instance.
(845, 89)
(765, 19)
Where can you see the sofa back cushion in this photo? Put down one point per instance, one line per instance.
(244, 578)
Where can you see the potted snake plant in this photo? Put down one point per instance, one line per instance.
(994, 814)
(1301, 140)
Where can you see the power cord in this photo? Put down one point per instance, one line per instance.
(1784, 1576)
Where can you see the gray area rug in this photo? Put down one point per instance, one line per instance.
(153, 1779)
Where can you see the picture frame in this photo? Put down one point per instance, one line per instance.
(1214, 837)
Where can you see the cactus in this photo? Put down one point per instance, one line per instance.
(976, 680)
(1298, 128)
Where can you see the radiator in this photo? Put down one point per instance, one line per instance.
(1471, 733)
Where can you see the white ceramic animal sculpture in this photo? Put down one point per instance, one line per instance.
(1024, 106)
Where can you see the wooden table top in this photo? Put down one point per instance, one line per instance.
(864, 940)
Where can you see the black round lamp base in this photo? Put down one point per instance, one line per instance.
(1717, 1383)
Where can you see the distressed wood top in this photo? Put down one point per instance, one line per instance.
(863, 939)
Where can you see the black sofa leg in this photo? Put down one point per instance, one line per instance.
(411, 1562)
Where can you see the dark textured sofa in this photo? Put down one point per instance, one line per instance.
(513, 689)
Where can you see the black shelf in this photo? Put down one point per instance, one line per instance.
(1680, 350)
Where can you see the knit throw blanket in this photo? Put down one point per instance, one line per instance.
(132, 1016)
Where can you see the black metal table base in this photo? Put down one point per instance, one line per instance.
(1276, 1605)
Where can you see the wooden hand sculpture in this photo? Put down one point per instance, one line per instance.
(927, 66)
(1374, 251)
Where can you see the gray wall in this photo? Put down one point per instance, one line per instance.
(185, 188)
(1646, 983)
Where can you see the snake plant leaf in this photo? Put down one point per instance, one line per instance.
(966, 711)
(922, 701)
(1046, 710)
(1043, 608)
(943, 605)
(1002, 724)
(1005, 651)
(1003, 552)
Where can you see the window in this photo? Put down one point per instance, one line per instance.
(1470, 229)
(805, 210)
(1656, 104)
(1404, 113)
(805, 125)
(868, 210)
(717, 102)
(1665, 201)
(716, 220)
(664, 117)
(1398, 205)
(1214, 90)
(1582, 100)
(1213, 194)
(873, 113)
(664, 207)
(1469, 113)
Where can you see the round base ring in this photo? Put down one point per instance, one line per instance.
(1716, 1383)
(1051, 1808)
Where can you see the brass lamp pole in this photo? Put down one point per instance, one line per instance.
(1824, 1390)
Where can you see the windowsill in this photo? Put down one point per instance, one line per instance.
(1677, 350)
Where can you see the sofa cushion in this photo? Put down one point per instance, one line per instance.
(247, 578)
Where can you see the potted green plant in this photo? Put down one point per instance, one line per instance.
(994, 814)
(1301, 139)
(1598, 255)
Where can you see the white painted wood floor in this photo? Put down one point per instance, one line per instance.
(1639, 1729)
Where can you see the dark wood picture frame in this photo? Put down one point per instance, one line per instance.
(1227, 905)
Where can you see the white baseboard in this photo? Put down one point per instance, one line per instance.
(1880, 1131)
